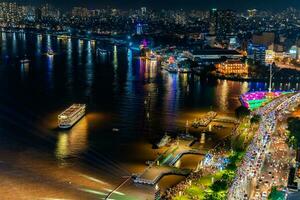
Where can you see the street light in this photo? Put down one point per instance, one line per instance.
(271, 75)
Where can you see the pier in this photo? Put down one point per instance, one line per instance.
(230, 120)
(165, 163)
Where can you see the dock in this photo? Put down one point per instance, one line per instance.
(165, 164)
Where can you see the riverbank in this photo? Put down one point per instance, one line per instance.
(217, 170)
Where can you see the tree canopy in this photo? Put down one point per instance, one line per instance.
(294, 128)
(241, 112)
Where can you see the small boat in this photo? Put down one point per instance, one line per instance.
(50, 52)
(115, 130)
(24, 61)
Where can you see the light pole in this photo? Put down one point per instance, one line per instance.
(270, 81)
(272, 75)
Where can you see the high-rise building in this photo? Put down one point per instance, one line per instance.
(213, 15)
(143, 10)
(266, 39)
(38, 13)
(80, 12)
(180, 18)
(252, 12)
(221, 22)
(49, 12)
(225, 23)
(139, 29)
(257, 53)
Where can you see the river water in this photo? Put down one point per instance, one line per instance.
(39, 161)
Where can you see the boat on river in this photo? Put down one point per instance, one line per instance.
(71, 115)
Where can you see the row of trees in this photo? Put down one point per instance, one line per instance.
(294, 132)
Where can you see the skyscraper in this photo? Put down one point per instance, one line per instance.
(252, 12)
(225, 23)
(213, 15)
(139, 29)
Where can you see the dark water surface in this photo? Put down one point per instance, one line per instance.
(38, 161)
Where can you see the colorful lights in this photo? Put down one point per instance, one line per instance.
(254, 100)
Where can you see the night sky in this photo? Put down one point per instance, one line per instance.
(185, 4)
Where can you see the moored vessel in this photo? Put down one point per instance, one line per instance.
(71, 115)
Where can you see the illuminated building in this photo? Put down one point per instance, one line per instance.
(213, 21)
(143, 10)
(293, 52)
(49, 12)
(266, 39)
(213, 56)
(270, 56)
(180, 19)
(232, 67)
(139, 29)
(80, 12)
(225, 23)
(233, 44)
(252, 12)
(257, 53)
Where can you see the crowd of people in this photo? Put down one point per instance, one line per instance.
(209, 168)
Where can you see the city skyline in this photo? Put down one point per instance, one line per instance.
(135, 100)
(168, 4)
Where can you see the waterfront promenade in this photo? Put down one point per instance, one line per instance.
(165, 163)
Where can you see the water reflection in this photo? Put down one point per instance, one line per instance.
(115, 57)
(50, 71)
(80, 46)
(23, 39)
(38, 44)
(69, 61)
(14, 45)
(171, 99)
(49, 42)
(150, 69)
(73, 69)
(73, 142)
(245, 87)
(3, 44)
(24, 70)
(222, 93)
(89, 69)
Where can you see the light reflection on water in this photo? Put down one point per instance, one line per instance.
(72, 142)
(116, 85)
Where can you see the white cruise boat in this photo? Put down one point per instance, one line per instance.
(24, 61)
(71, 115)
